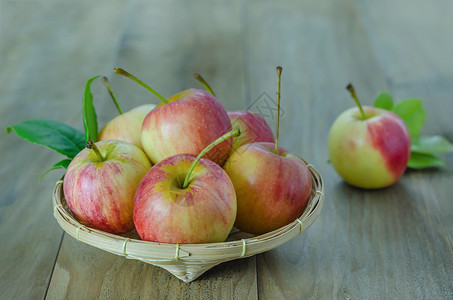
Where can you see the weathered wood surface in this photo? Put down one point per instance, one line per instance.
(392, 243)
(44, 50)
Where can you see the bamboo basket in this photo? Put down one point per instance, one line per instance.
(188, 261)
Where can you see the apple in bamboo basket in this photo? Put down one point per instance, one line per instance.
(272, 189)
(272, 185)
(127, 126)
(100, 184)
(369, 147)
(191, 121)
(253, 128)
(186, 199)
(185, 123)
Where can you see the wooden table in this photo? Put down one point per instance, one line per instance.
(394, 243)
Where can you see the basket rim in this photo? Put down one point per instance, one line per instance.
(162, 253)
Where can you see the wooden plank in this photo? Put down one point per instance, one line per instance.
(420, 66)
(45, 52)
(393, 243)
(84, 272)
(366, 244)
(163, 44)
(329, 50)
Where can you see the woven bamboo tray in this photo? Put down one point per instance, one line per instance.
(188, 261)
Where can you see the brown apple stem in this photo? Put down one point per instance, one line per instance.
(279, 76)
(123, 72)
(92, 146)
(351, 90)
(106, 82)
(228, 135)
(204, 83)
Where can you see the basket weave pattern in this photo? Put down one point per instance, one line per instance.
(188, 261)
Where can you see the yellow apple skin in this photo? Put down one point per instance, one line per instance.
(127, 126)
(371, 153)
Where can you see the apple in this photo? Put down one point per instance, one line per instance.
(369, 147)
(100, 184)
(252, 126)
(185, 123)
(127, 126)
(185, 199)
(272, 189)
(191, 121)
(273, 186)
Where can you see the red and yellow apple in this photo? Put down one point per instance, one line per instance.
(100, 184)
(126, 127)
(203, 212)
(253, 128)
(183, 124)
(186, 125)
(370, 151)
(272, 189)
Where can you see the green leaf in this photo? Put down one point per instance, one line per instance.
(413, 114)
(90, 122)
(55, 135)
(422, 160)
(62, 164)
(435, 144)
(384, 101)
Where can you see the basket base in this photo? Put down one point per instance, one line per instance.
(192, 260)
(185, 272)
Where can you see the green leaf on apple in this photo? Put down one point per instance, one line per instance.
(435, 144)
(90, 122)
(413, 114)
(384, 101)
(62, 164)
(422, 160)
(55, 135)
(410, 110)
(423, 148)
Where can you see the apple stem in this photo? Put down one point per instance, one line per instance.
(351, 90)
(92, 146)
(204, 83)
(228, 135)
(123, 72)
(279, 76)
(106, 82)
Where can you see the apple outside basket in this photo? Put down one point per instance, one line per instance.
(188, 261)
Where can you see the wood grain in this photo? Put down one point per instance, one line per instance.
(43, 69)
(107, 276)
(395, 243)
(165, 57)
(366, 244)
(424, 72)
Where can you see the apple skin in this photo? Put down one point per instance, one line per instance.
(101, 194)
(272, 190)
(190, 122)
(371, 153)
(253, 127)
(127, 126)
(204, 212)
